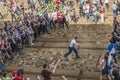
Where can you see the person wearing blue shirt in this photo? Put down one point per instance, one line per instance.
(1, 67)
(112, 48)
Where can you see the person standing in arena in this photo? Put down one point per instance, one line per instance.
(72, 48)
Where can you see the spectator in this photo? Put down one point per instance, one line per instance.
(6, 76)
(64, 21)
(70, 2)
(114, 9)
(95, 14)
(19, 77)
(115, 73)
(101, 10)
(87, 11)
(73, 15)
(14, 74)
(115, 25)
(47, 74)
(112, 48)
(1, 67)
(101, 2)
(105, 68)
(81, 12)
(107, 4)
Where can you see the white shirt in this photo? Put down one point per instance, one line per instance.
(34, 13)
(65, 9)
(106, 1)
(94, 11)
(114, 7)
(14, 7)
(49, 16)
(87, 7)
(102, 63)
(109, 59)
(54, 16)
(72, 43)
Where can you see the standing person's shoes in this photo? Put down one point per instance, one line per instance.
(48, 33)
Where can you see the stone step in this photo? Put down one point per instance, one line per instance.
(68, 40)
(90, 51)
(67, 73)
(49, 56)
(80, 39)
(65, 45)
(33, 77)
(83, 38)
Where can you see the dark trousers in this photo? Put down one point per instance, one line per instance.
(107, 5)
(9, 52)
(70, 3)
(114, 57)
(24, 40)
(60, 23)
(45, 29)
(1, 15)
(101, 2)
(65, 22)
(14, 47)
(52, 24)
(39, 29)
(13, 17)
(35, 33)
(77, 1)
(81, 12)
(73, 18)
(70, 51)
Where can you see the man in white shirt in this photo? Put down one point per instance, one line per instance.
(54, 16)
(72, 48)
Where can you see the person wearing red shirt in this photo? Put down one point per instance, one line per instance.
(14, 74)
(47, 74)
(59, 19)
(19, 77)
(57, 2)
(11, 4)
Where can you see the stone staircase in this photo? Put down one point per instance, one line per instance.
(49, 48)
(108, 14)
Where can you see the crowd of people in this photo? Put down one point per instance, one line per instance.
(109, 64)
(15, 34)
(87, 8)
(49, 16)
(97, 9)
